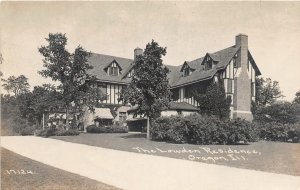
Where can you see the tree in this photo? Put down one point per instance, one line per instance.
(71, 70)
(214, 101)
(16, 85)
(149, 87)
(267, 91)
(297, 98)
(280, 112)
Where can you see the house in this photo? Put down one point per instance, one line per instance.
(234, 66)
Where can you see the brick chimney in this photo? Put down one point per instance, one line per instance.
(242, 81)
(137, 51)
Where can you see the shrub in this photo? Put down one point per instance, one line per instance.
(56, 132)
(137, 125)
(279, 132)
(107, 129)
(28, 130)
(196, 129)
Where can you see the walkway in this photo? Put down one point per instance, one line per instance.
(134, 171)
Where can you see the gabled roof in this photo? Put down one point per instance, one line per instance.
(114, 61)
(224, 56)
(186, 64)
(101, 61)
(222, 59)
(257, 71)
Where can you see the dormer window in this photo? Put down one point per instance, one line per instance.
(186, 72)
(208, 63)
(113, 68)
(129, 75)
(210, 60)
(186, 69)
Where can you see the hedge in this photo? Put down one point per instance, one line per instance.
(279, 132)
(56, 132)
(196, 129)
(107, 129)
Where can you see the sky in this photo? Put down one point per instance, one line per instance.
(188, 29)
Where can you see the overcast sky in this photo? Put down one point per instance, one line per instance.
(188, 29)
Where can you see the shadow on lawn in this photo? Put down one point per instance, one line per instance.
(139, 135)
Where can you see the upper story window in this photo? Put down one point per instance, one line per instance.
(234, 60)
(113, 69)
(129, 75)
(208, 62)
(186, 70)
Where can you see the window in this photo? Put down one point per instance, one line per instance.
(175, 94)
(187, 92)
(229, 86)
(234, 60)
(208, 63)
(113, 70)
(122, 116)
(186, 72)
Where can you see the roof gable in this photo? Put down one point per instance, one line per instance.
(109, 64)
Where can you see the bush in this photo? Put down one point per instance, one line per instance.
(56, 132)
(28, 130)
(279, 132)
(107, 129)
(196, 129)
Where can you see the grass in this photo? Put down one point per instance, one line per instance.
(42, 176)
(274, 157)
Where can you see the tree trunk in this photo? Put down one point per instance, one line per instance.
(148, 128)
(43, 120)
(67, 118)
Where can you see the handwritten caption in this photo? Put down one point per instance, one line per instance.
(204, 153)
(20, 172)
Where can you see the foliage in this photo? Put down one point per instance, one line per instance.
(107, 129)
(196, 129)
(214, 101)
(279, 132)
(267, 91)
(16, 85)
(71, 70)
(280, 112)
(297, 98)
(137, 125)
(149, 87)
(56, 132)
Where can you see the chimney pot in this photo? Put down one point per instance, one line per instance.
(241, 40)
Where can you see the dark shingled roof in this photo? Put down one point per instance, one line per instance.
(100, 62)
(222, 57)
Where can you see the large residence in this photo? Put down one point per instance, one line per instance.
(234, 65)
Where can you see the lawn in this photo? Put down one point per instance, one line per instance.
(273, 157)
(30, 174)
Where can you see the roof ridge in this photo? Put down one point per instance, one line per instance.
(111, 56)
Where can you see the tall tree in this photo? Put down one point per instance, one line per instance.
(16, 85)
(214, 101)
(71, 70)
(267, 91)
(149, 87)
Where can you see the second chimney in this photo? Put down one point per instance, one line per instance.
(137, 51)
